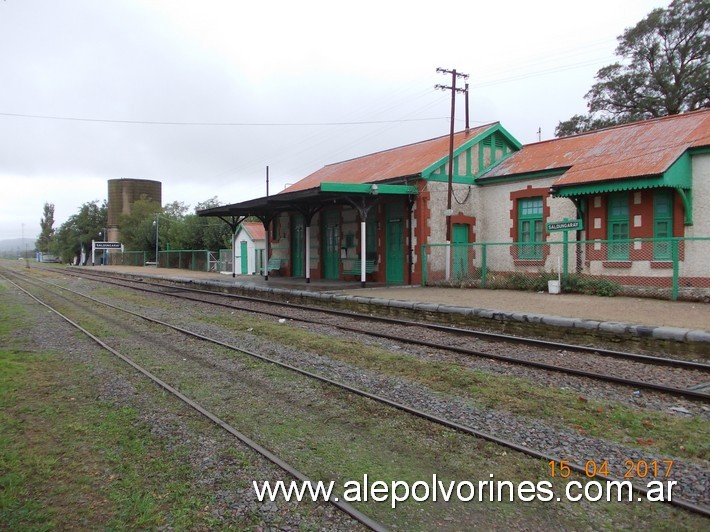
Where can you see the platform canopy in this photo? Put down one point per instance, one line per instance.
(309, 201)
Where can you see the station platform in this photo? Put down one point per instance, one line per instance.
(679, 321)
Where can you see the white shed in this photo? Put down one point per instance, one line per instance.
(249, 248)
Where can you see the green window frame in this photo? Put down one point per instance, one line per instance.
(662, 223)
(618, 226)
(530, 228)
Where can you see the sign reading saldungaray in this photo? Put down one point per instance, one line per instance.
(103, 245)
(565, 225)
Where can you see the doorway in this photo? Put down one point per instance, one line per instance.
(394, 242)
(297, 246)
(331, 244)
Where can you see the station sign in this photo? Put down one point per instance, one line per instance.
(107, 245)
(565, 225)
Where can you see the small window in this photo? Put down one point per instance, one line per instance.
(618, 222)
(530, 230)
(662, 224)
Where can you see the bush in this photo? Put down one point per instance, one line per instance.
(529, 282)
(595, 287)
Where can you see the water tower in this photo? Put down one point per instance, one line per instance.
(122, 193)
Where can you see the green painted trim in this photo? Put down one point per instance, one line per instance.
(699, 151)
(619, 249)
(497, 128)
(680, 173)
(460, 180)
(519, 177)
(662, 217)
(687, 197)
(510, 138)
(367, 188)
(621, 185)
(675, 256)
(678, 176)
(491, 166)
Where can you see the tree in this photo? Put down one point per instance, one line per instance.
(79, 230)
(46, 225)
(665, 71)
(138, 231)
(189, 231)
(176, 230)
(214, 234)
(581, 123)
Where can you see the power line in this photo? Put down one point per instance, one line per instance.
(221, 124)
(537, 73)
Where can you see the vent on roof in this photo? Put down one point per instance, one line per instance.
(495, 140)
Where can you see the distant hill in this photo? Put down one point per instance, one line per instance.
(13, 246)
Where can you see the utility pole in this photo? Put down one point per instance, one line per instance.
(454, 76)
(27, 261)
(466, 92)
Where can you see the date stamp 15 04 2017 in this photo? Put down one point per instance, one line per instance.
(632, 468)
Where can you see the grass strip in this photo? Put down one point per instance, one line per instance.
(679, 436)
(60, 448)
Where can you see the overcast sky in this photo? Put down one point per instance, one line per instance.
(203, 95)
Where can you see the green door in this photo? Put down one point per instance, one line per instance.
(331, 245)
(459, 255)
(297, 246)
(394, 241)
(244, 250)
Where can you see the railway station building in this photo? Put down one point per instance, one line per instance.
(627, 196)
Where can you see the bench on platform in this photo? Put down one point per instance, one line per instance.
(356, 267)
(274, 264)
(151, 263)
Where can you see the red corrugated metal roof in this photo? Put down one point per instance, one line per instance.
(632, 150)
(255, 230)
(381, 166)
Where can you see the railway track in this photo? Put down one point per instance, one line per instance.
(688, 505)
(575, 359)
(345, 507)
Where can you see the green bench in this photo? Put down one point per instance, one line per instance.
(274, 264)
(356, 267)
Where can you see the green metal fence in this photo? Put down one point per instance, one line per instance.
(668, 268)
(225, 260)
(126, 258)
(185, 259)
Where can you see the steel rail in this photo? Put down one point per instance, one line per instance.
(683, 392)
(579, 468)
(273, 458)
(658, 361)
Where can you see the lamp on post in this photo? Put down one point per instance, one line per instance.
(156, 223)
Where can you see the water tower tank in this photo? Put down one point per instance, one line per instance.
(122, 193)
